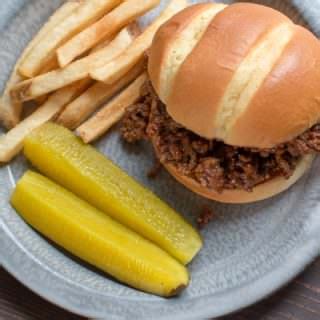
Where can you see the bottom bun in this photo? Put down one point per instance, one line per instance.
(260, 192)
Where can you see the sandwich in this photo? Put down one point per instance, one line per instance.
(232, 103)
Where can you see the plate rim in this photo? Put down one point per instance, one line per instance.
(247, 295)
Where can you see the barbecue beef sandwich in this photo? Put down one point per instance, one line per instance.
(232, 105)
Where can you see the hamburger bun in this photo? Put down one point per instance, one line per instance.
(260, 192)
(243, 74)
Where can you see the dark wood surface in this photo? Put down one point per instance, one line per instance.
(300, 300)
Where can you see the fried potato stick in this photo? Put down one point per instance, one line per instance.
(12, 142)
(86, 104)
(88, 12)
(115, 69)
(125, 13)
(112, 112)
(10, 111)
(46, 83)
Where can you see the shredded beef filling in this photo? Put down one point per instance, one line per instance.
(212, 163)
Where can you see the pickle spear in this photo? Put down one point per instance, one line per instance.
(96, 238)
(80, 168)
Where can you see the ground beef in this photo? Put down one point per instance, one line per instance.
(212, 163)
(155, 170)
(134, 124)
(205, 217)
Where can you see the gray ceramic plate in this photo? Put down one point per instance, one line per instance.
(249, 251)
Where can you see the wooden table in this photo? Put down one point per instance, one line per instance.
(298, 301)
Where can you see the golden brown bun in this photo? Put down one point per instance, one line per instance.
(244, 74)
(288, 102)
(170, 36)
(261, 192)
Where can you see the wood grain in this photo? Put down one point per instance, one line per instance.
(18, 303)
(300, 300)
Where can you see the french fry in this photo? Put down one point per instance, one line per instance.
(11, 143)
(51, 65)
(101, 46)
(87, 13)
(125, 13)
(46, 83)
(112, 112)
(86, 104)
(40, 100)
(114, 70)
(10, 111)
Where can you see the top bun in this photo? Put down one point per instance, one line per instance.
(244, 74)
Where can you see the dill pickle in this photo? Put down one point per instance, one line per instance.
(96, 238)
(80, 168)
